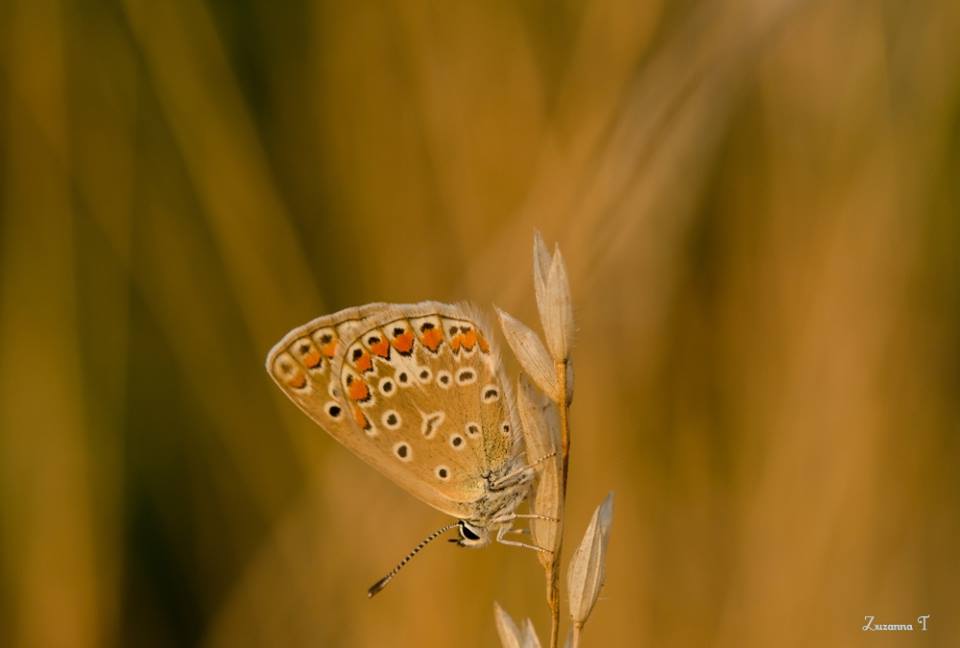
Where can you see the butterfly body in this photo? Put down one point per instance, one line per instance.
(418, 392)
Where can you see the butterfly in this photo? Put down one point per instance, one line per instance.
(418, 392)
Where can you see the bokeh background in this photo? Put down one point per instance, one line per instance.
(758, 204)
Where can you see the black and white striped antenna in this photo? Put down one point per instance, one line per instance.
(380, 584)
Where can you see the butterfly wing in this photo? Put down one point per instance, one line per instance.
(302, 366)
(429, 403)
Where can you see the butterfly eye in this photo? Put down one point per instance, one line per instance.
(467, 533)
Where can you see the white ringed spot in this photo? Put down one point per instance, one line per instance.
(424, 375)
(456, 442)
(403, 452)
(442, 472)
(491, 394)
(333, 410)
(387, 387)
(391, 420)
(466, 377)
(444, 379)
(473, 429)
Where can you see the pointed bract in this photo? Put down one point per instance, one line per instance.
(532, 355)
(530, 639)
(556, 310)
(510, 635)
(541, 431)
(541, 270)
(541, 426)
(586, 572)
(553, 298)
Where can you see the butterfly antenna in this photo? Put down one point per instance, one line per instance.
(380, 584)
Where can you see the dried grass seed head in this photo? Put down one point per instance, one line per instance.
(507, 629)
(531, 354)
(554, 303)
(587, 569)
(541, 430)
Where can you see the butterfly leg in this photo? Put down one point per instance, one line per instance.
(503, 531)
(517, 477)
(522, 516)
(521, 475)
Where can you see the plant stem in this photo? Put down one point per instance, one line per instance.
(577, 628)
(553, 574)
(553, 600)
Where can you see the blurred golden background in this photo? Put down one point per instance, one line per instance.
(758, 204)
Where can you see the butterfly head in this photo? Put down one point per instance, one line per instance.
(471, 534)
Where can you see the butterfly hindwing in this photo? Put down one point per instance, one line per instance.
(428, 401)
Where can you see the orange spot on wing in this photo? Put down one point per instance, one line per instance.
(484, 345)
(381, 348)
(455, 343)
(359, 390)
(329, 349)
(364, 363)
(432, 339)
(403, 342)
(312, 359)
(469, 339)
(298, 380)
(360, 418)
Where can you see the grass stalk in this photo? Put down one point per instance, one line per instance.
(553, 573)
